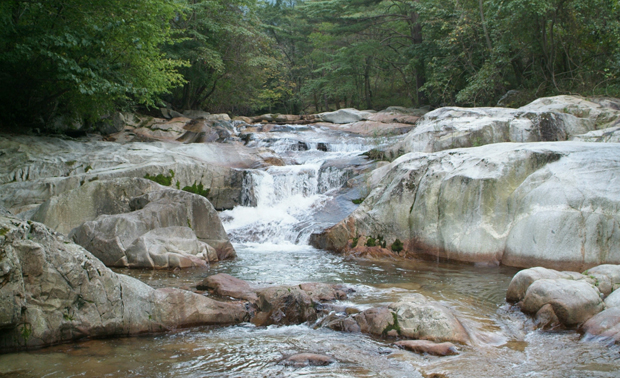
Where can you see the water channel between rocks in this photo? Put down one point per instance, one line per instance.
(288, 203)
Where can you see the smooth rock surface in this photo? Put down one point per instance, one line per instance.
(607, 277)
(555, 205)
(613, 299)
(522, 280)
(111, 237)
(573, 302)
(419, 318)
(344, 116)
(226, 285)
(33, 169)
(425, 346)
(546, 119)
(55, 291)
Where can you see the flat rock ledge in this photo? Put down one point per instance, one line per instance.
(587, 301)
(54, 291)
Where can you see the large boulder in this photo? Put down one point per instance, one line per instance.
(284, 305)
(573, 302)
(537, 204)
(226, 285)
(55, 291)
(186, 221)
(33, 169)
(546, 119)
(613, 299)
(521, 281)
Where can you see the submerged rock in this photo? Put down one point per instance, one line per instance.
(425, 346)
(55, 291)
(605, 324)
(308, 359)
(520, 205)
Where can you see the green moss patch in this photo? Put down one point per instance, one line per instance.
(197, 189)
(161, 179)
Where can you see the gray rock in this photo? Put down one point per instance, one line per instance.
(284, 305)
(573, 302)
(33, 169)
(522, 205)
(546, 119)
(56, 291)
(419, 318)
(607, 277)
(607, 135)
(613, 299)
(377, 321)
(109, 237)
(522, 280)
(343, 116)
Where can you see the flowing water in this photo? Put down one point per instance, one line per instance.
(289, 203)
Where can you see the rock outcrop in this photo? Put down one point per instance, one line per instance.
(429, 347)
(34, 169)
(55, 291)
(537, 204)
(557, 118)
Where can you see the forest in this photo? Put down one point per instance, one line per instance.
(79, 60)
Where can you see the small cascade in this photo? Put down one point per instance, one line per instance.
(279, 205)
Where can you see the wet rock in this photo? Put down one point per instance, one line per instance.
(419, 318)
(55, 291)
(605, 324)
(515, 204)
(109, 237)
(325, 292)
(284, 305)
(546, 318)
(573, 302)
(425, 346)
(607, 277)
(522, 280)
(377, 321)
(308, 359)
(226, 285)
(205, 131)
(342, 324)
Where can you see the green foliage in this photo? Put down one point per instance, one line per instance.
(393, 326)
(354, 242)
(358, 201)
(371, 242)
(397, 246)
(197, 189)
(77, 61)
(161, 179)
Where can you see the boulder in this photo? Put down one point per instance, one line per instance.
(308, 359)
(607, 277)
(322, 292)
(524, 205)
(419, 318)
(33, 169)
(284, 305)
(546, 119)
(605, 324)
(613, 299)
(429, 347)
(205, 131)
(344, 116)
(226, 285)
(521, 281)
(55, 291)
(110, 237)
(379, 321)
(607, 135)
(573, 302)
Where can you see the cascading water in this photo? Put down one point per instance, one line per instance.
(280, 204)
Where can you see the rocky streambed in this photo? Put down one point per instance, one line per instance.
(191, 240)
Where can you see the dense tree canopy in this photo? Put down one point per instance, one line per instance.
(80, 60)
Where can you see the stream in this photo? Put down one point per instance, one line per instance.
(284, 206)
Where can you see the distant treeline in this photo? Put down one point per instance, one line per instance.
(79, 60)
